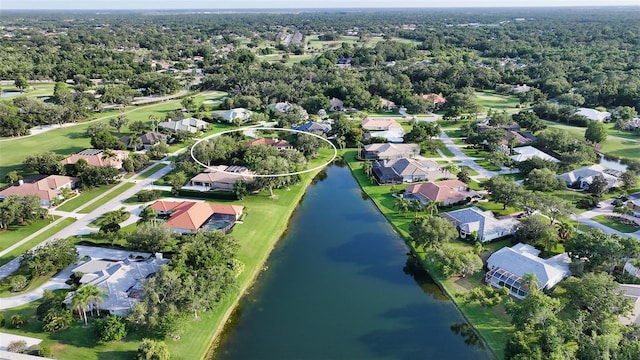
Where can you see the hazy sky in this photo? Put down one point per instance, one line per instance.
(238, 4)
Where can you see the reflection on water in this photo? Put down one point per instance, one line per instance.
(612, 163)
(414, 269)
(470, 337)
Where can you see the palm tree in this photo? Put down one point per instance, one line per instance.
(529, 282)
(367, 168)
(402, 205)
(478, 248)
(432, 208)
(416, 206)
(80, 301)
(134, 142)
(96, 296)
(565, 230)
(449, 169)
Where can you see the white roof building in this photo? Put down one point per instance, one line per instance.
(238, 113)
(121, 280)
(528, 152)
(585, 176)
(593, 114)
(632, 292)
(191, 125)
(507, 266)
(487, 227)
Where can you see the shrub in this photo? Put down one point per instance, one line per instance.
(45, 351)
(112, 328)
(18, 321)
(57, 320)
(109, 228)
(18, 283)
(17, 346)
(150, 349)
(2, 320)
(148, 195)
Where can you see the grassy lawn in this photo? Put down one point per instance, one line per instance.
(492, 324)
(16, 233)
(83, 198)
(70, 140)
(472, 152)
(514, 177)
(488, 165)
(124, 187)
(445, 150)
(454, 133)
(621, 145)
(150, 171)
(36, 240)
(623, 228)
(34, 90)
(469, 170)
(77, 342)
(498, 102)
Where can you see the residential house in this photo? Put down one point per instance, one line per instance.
(146, 140)
(122, 281)
(344, 62)
(519, 89)
(482, 224)
(238, 113)
(385, 128)
(594, 115)
(221, 177)
(278, 144)
(387, 105)
(336, 104)
(506, 127)
(285, 107)
(634, 203)
(631, 292)
(529, 152)
(508, 266)
(191, 216)
(47, 188)
(521, 137)
(585, 175)
(98, 157)
(405, 170)
(445, 192)
(314, 127)
(632, 125)
(191, 125)
(438, 100)
(387, 151)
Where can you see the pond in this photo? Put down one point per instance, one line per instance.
(9, 93)
(612, 164)
(340, 285)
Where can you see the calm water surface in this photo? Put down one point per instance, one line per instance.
(339, 285)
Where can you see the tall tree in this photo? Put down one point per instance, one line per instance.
(596, 132)
(432, 231)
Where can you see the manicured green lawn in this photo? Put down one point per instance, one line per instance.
(83, 198)
(624, 228)
(469, 170)
(498, 102)
(36, 240)
(493, 324)
(16, 233)
(113, 194)
(514, 177)
(487, 165)
(34, 90)
(445, 150)
(454, 133)
(150, 171)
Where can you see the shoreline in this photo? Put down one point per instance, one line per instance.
(214, 340)
(436, 279)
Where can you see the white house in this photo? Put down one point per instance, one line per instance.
(238, 113)
(472, 220)
(585, 175)
(507, 267)
(121, 280)
(528, 152)
(191, 125)
(593, 114)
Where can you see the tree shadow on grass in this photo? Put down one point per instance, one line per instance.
(115, 355)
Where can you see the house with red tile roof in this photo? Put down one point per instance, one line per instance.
(445, 192)
(278, 144)
(190, 216)
(438, 100)
(47, 189)
(97, 157)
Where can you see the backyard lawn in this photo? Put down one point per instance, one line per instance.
(110, 196)
(83, 198)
